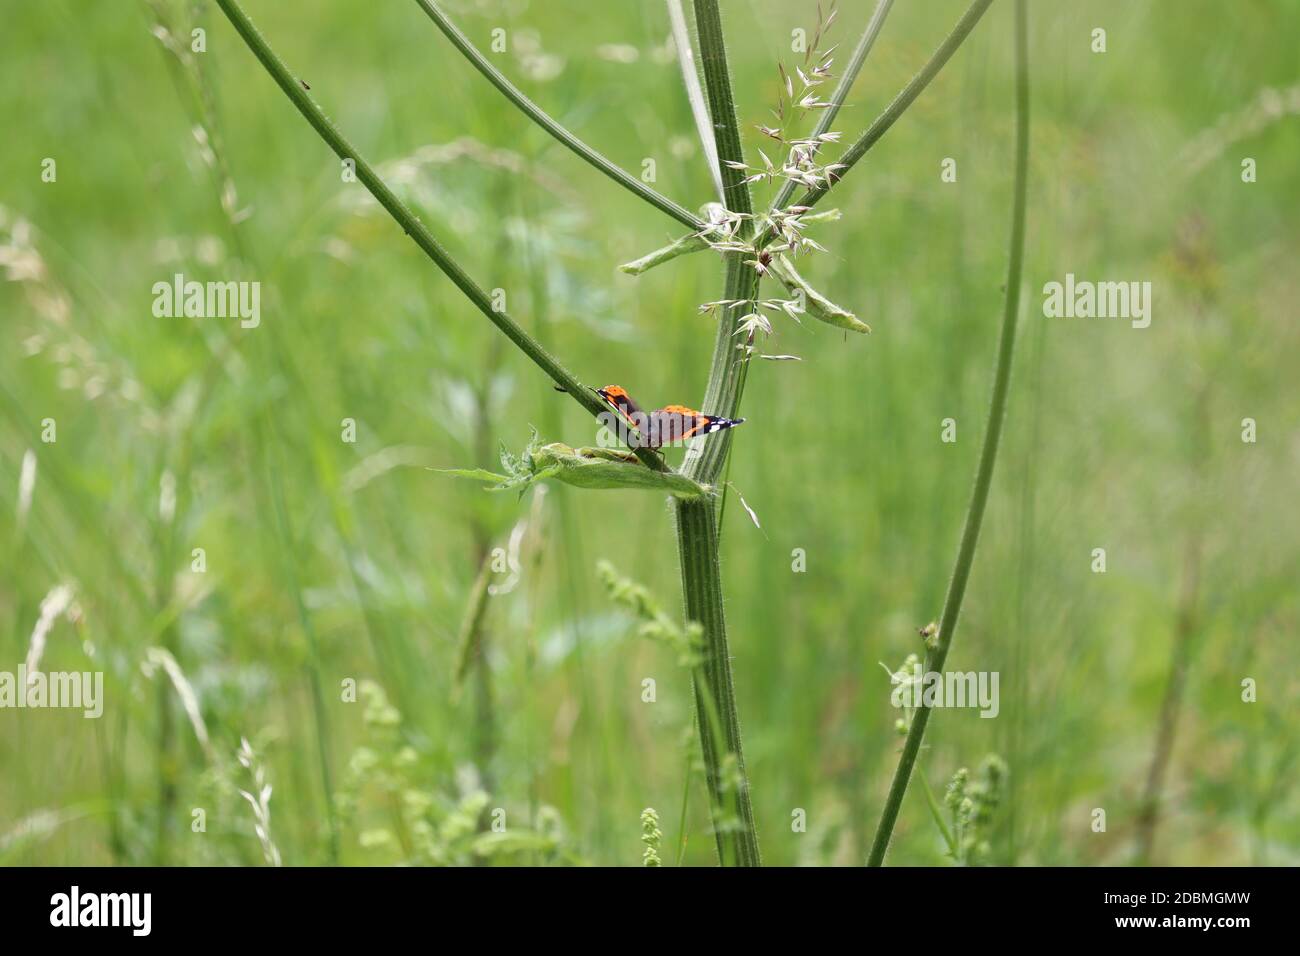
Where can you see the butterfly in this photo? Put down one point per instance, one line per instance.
(666, 425)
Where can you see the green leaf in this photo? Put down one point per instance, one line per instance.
(680, 247)
(695, 242)
(471, 627)
(478, 474)
(603, 468)
(816, 304)
(516, 841)
(600, 468)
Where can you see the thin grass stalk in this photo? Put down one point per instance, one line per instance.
(168, 776)
(568, 534)
(988, 453)
(273, 486)
(1180, 658)
(1026, 585)
(540, 117)
(196, 89)
(413, 227)
(273, 475)
(847, 79)
(1187, 626)
(486, 734)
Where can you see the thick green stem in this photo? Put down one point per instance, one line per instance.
(539, 116)
(726, 373)
(413, 227)
(704, 461)
(697, 528)
(733, 814)
(722, 105)
(988, 453)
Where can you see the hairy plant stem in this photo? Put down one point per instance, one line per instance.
(988, 453)
(539, 116)
(413, 227)
(704, 461)
(715, 696)
(697, 527)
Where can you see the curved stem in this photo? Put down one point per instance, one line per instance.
(859, 57)
(413, 227)
(988, 453)
(539, 116)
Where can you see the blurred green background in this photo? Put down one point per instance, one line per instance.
(329, 561)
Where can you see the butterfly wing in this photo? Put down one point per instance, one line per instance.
(617, 398)
(678, 423)
(708, 424)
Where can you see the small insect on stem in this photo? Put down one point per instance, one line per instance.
(304, 84)
(665, 426)
(561, 388)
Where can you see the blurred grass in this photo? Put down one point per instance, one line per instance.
(1116, 438)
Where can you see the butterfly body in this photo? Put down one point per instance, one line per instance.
(664, 426)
